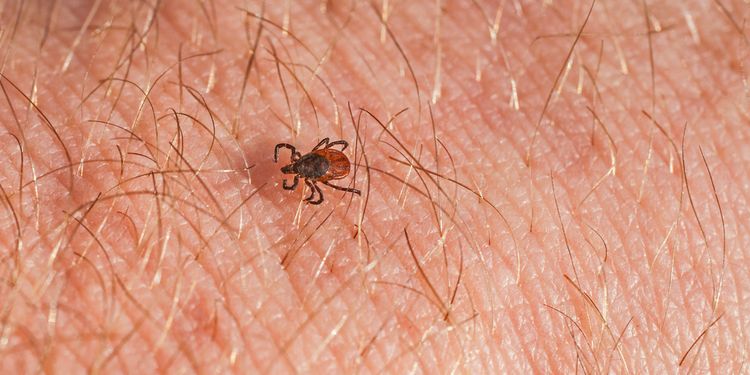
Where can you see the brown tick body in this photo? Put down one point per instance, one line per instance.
(322, 164)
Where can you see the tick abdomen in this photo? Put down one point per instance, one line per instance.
(338, 164)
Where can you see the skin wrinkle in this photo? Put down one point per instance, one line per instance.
(392, 79)
(302, 294)
(457, 131)
(335, 267)
(20, 104)
(687, 105)
(554, 354)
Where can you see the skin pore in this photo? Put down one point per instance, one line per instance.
(542, 191)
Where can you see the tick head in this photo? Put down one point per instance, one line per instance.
(288, 169)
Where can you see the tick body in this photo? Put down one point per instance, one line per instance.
(323, 164)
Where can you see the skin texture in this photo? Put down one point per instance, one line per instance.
(588, 216)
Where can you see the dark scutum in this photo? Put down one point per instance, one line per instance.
(311, 166)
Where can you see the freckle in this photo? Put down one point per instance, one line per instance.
(736, 66)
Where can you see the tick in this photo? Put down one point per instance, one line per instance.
(322, 164)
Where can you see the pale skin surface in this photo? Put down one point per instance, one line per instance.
(159, 250)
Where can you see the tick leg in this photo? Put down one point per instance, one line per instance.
(293, 185)
(283, 145)
(342, 142)
(312, 190)
(320, 194)
(321, 144)
(350, 190)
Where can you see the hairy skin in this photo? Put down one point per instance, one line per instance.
(521, 215)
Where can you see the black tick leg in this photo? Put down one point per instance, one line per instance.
(350, 190)
(293, 185)
(342, 142)
(320, 194)
(321, 144)
(283, 145)
(312, 190)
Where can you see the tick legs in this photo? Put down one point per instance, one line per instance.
(295, 155)
(322, 143)
(325, 143)
(342, 142)
(314, 188)
(293, 185)
(350, 190)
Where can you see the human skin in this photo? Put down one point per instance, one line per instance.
(517, 216)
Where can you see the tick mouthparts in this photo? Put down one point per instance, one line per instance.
(288, 169)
